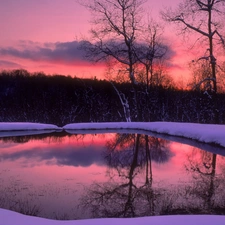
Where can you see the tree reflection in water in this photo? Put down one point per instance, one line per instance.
(126, 194)
(131, 188)
(206, 184)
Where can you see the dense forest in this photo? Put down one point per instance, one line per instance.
(61, 100)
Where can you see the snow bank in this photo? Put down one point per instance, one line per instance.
(27, 126)
(207, 133)
(12, 218)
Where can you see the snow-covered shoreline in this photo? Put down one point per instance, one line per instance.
(12, 218)
(205, 133)
(24, 126)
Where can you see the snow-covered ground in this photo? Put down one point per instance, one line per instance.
(26, 126)
(12, 218)
(200, 132)
(20, 129)
(206, 133)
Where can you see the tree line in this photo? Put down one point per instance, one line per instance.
(57, 99)
(138, 87)
(131, 42)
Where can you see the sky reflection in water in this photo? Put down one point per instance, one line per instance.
(108, 175)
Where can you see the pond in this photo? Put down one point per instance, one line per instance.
(109, 174)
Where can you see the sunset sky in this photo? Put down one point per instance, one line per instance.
(43, 36)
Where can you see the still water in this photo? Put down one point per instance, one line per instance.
(78, 176)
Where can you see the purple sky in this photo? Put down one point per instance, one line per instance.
(43, 36)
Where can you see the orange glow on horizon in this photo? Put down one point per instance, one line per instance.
(40, 25)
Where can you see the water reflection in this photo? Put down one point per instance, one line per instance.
(71, 176)
(129, 191)
(207, 180)
(54, 150)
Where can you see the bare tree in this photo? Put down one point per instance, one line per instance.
(201, 71)
(202, 18)
(122, 37)
(151, 50)
(116, 27)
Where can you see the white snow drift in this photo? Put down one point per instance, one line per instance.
(12, 218)
(17, 126)
(207, 133)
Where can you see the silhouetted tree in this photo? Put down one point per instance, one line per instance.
(201, 17)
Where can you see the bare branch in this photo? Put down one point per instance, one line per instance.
(196, 86)
(220, 36)
(199, 16)
(179, 19)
